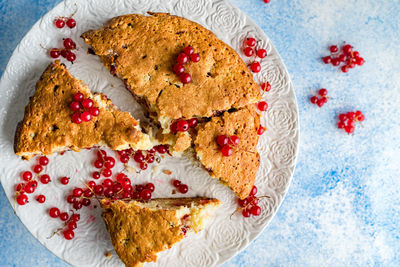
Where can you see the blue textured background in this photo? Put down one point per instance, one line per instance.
(344, 203)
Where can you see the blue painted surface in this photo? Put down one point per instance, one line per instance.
(343, 206)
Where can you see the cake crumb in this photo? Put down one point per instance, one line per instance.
(167, 172)
(108, 254)
(174, 192)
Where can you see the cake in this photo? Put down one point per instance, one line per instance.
(142, 50)
(47, 126)
(139, 230)
(239, 170)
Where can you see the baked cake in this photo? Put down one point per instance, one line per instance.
(142, 50)
(139, 230)
(47, 126)
(239, 170)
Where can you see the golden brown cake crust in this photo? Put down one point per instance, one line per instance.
(47, 126)
(239, 170)
(138, 233)
(143, 49)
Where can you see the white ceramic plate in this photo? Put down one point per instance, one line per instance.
(224, 237)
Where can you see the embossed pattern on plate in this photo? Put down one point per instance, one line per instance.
(224, 237)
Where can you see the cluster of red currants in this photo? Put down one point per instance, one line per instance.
(65, 52)
(30, 184)
(321, 98)
(249, 205)
(345, 55)
(143, 158)
(183, 125)
(226, 144)
(347, 120)
(249, 51)
(83, 109)
(70, 222)
(182, 188)
(183, 58)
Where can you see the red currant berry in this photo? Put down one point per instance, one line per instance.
(143, 165)
(222, 140)
(69, 44)
(246, 213)
(195, 57)
(342, 117)
(324, 99)
(255, 67)
(91, 184)
(120, 177)
(248, 51)
(347, 49)
(126, 184)
(261, 53)
(60, 23)
(320, 102)
(107, 183)
(70, 199)
(253, 200)
(145, 194)
(161, 149)
(64, 53)
(98, 190)
(179, 69)
(75, 106)
(150, 186)
(341, 125)
(54, 53)
(266, 87)
(342, 57)
(314, 99)
(124, 159)
(188, 50)
(109, 162)
(350, 123)
(345, 69)
(27, 175)
(234, 140)
(85, 116)
(251, 42)
(78, 97)
(335, 62)
(37, 168)
(182, 58)
(349, 129)
(327, 59)
(20, 187)
(193, 122)
(116, 188)
(182, 125)
(260, 130)
(333, 48)
(351, 115)
(44, 179)
(71, 23)
(138, 157)
(71, 57)
(41, 198)
(226, 150)
(94, 111)
(185, 78)
(76, 118)
(243, 202)
(54, 212)
(64, 216)
(173, 127)
(87, 103)
(106, 172)
(150, 158)
(323, 92)
(96, 175)
(77, 192)
(75, 217)
(72, 224)
(68, 234)
(359, 61)
(356, 54)
(262, 106)
(255, 210)
(77, 205)
(86, 202)
(253, 191)
(183, 189)
(139, 188)
(98, 163)
(176, 183)
(22, 199)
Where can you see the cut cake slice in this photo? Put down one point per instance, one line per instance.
(47, 126)
(139, 230)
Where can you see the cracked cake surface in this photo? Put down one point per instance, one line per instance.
(47, 126)
(141, 50)
(239, 170)
(139, 230)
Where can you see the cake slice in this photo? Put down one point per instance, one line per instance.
(47, 125)
(142, 50)
(239, 170)
(139, 230)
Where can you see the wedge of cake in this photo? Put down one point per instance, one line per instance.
(142, 50)
(139, 230)
(238, 171)
(48, 126)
